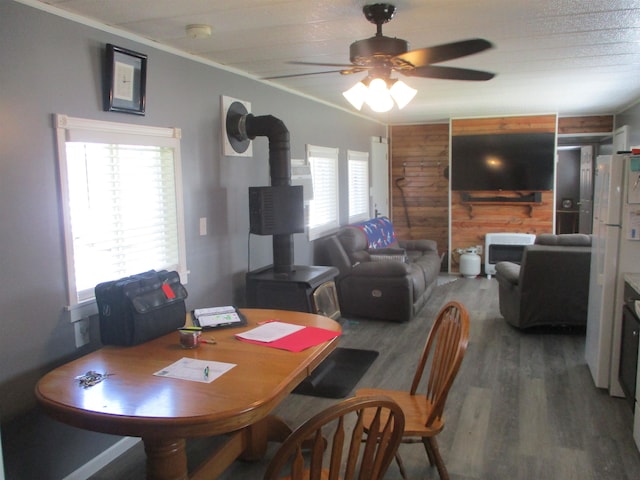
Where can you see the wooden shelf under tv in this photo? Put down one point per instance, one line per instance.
(528, 200)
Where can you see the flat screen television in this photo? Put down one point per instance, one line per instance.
(510, 161)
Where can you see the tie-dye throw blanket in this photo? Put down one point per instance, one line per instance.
(379, 232)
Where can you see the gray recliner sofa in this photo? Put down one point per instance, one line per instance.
(380, 276)
(551, 284)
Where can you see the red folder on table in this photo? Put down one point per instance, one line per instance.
(300, 340)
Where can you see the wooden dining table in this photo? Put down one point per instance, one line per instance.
(164, 412)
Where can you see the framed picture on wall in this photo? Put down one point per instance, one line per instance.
(126, 80)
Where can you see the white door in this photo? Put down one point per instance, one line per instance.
(585, 204)
(621, 139)
(379, 177)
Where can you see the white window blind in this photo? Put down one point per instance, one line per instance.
(323, 209)
(121, 200)
(358, 163)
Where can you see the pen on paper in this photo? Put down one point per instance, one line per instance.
(206, 372)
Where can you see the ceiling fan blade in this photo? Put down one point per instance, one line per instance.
(449, 73)
(292, 75)
(343, 65)
(348, 70)
(448, 51)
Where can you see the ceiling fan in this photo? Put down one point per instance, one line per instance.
(380, 55)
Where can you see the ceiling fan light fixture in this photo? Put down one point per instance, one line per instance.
(376, 93)
(382, 56)
(402, 93)
(378, 96)
(356, 95)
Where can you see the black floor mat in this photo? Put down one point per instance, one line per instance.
(338, 374)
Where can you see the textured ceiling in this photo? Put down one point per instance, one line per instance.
(571, 57)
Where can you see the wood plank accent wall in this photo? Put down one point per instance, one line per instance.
(485, 126)
(469, 225)
(593, 124)
(419, 189)
(419, 156)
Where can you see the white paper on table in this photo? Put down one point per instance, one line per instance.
(269, 332)
(204, 371)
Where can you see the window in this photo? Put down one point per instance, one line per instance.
(323, 209)
(122, 201)
(358, 185)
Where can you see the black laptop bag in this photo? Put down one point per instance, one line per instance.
(141, 307)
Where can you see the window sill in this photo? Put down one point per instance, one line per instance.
(82, 310)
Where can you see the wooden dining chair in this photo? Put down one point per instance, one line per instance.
(352, 454)
(442, 354)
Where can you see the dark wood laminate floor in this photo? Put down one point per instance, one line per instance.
(523, 406)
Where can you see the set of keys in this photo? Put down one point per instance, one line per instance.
(91, 378)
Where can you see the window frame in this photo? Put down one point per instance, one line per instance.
(355, 162)
(71, 129)
(331, 154)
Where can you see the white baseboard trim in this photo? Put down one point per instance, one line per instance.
(97, 463)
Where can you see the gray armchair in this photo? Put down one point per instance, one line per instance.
(551, 284)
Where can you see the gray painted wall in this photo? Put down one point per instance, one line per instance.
(49, 65)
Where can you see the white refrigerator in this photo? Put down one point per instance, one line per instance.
(615, 251)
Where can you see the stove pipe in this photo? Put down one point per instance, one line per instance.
(274, 129)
